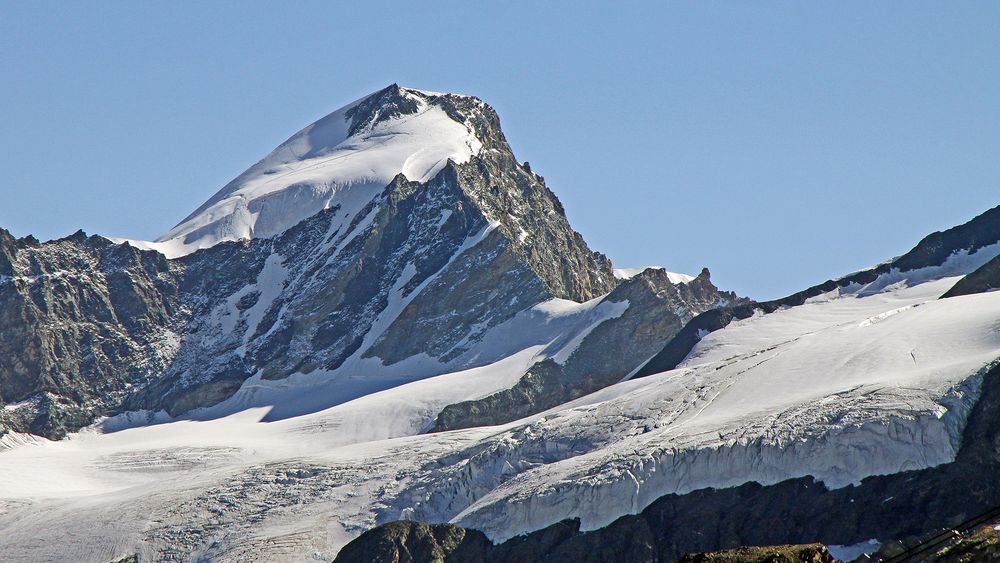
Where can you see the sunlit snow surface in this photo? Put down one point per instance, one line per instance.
(854, 383)
(629, 273)
(322, 167)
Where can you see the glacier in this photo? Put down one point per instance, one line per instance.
(811, 390)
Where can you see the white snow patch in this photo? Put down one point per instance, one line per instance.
(445, 215)
(852, 552)
(674, 277)
(270, 282)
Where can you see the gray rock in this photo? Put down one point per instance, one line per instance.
(416, 542)
(985, 278)
(84, 322)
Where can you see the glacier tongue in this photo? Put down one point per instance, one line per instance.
(344, 159)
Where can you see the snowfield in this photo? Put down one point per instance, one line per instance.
(857, 382)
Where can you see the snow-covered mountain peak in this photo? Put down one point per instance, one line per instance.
(343, 159)
(392, 102)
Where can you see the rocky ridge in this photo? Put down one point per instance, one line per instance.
(936, 255)
(86, 323)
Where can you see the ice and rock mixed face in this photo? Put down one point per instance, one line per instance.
(343, 160)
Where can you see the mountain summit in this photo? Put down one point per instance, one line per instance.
(344, 159)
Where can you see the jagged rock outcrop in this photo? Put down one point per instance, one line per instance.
(415, 542)
(85, 322)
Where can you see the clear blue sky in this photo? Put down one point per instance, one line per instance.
(779, 144)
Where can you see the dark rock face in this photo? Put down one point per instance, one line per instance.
(797, 511)
(91, 327)
(84, 322)
(528, 213)
(986, 278)
(982, 231)
(407, 541)
(657, 310)
(385, 104)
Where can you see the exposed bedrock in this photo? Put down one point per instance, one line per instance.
(986, 278)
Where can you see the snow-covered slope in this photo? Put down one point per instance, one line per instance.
(629, 273)
(344, 159)
(504, 352)
(811, 390)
